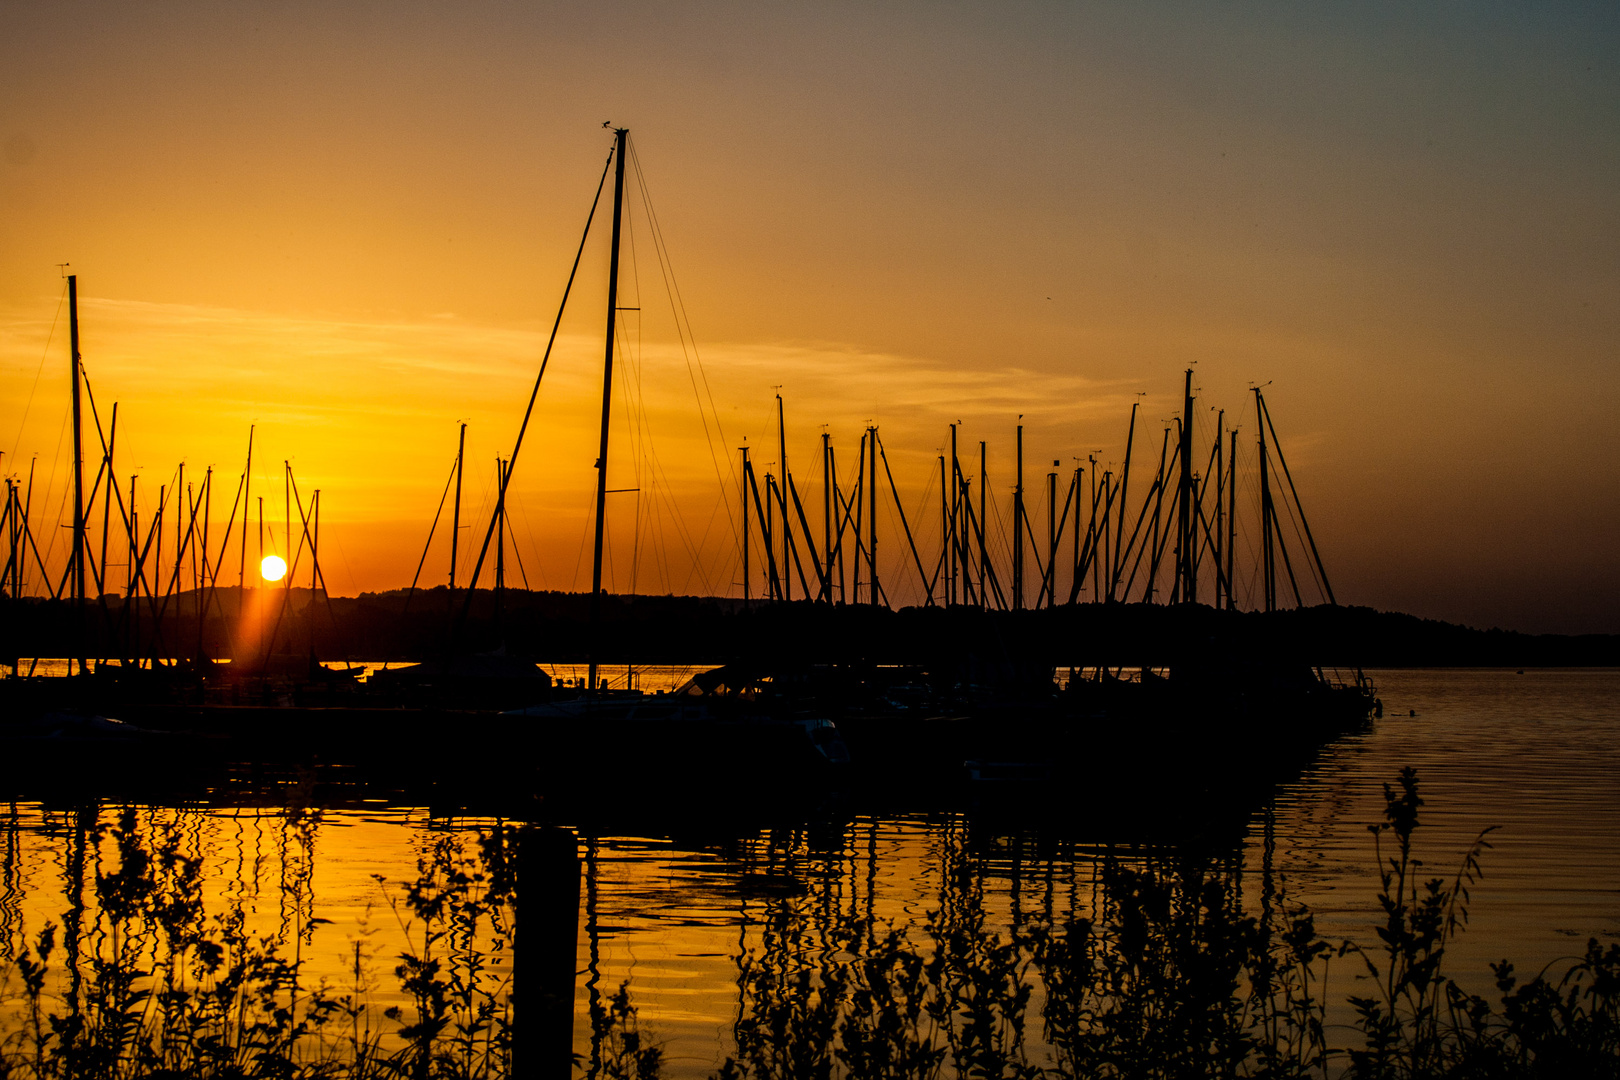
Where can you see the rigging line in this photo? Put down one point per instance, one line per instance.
(50, 482)
(584, 534)
(1309, 564)
(44, 356)
(650, 466)
(632, 434)
(517, 554)
(696, 568)
(67, 489)
(730, 556)
(1322, 582)
(922, 575)
(534, 546)
(693, 550)
(489, 534)
(431, 528)
(487, 503)
(637, 423)
(683, 329)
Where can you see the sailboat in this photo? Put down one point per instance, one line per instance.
(689, 729)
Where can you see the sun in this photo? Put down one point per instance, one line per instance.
(273, 568)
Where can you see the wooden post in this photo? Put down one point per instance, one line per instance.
(547, 900)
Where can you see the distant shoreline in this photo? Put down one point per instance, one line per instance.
(554, 627)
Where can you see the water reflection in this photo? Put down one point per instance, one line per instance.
(835, 936)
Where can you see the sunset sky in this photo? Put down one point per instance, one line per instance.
(350, 224)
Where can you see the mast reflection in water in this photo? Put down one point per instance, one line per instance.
(963, 935)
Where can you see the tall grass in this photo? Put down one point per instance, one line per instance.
(1169, 976)
(159, 988)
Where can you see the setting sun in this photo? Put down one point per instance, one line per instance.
(273, 568)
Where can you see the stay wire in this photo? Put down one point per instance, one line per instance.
(545, 360)
(683, 326)
(425, 547)
(44, 356)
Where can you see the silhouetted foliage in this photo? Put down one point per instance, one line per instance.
(1170, 975)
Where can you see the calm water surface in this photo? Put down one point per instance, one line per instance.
(1537, 755)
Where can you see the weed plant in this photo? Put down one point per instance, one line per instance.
(154, 987)
(1168, 977)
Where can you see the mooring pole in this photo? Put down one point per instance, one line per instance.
(546, 895)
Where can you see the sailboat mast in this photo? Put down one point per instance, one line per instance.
(500, 540)
(1221, 581)
(871, 542)
(1018, 527)
(955, 503)
(826, 515)
(106, 511)
(781, 493)
(78, 474)
(1124, 493)
(984, 486)
(1231, 521)
(1187, 582)
(1268, 567)
(1049, 586)
(620, 136)
(743, 486)
(947, 540)
(455, 513)
(247, 501)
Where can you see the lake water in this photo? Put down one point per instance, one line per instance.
(1536, 755)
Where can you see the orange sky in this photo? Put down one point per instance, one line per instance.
(352, 227)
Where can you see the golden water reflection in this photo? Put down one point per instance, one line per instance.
(680, 915)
